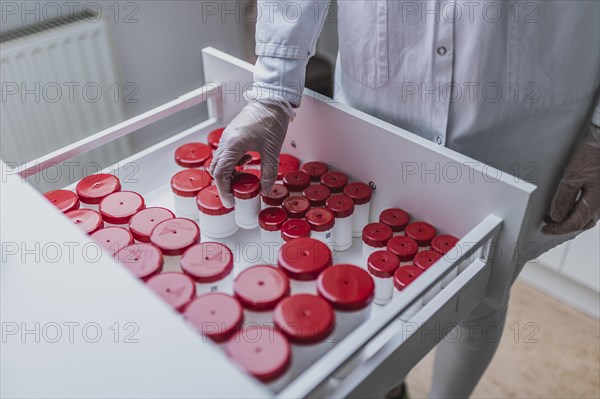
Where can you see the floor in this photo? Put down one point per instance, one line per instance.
(561, 360)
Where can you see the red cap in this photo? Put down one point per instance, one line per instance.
(174, 236)
(245, 185)
(142, 223)
(360, 192)
(252, 171)
(118, 208)
(175, 288)
(93, 188)
(296, 206)
(217, 316)
(278, 193)
(287, 163)
(317, 194)
(255, 158)
(209, 202)
(382, 264)
(424, 259)
(320, 219)
(207, 164)
(143, 260)
(271, 219)
(88, 220)
(189, 182)
(192, 155)
(406, 275)
(404, 247)
(335, 181)
(207, 262)
(304, 258)
(376, 234)
(295, 228)
(64, 200)
(296, 180)
(304, 319)
(443, 243)
(396, 218)
(421, 232)
(315, 169)
(113, 239)
(262, 351)
(346, 287)
(341, 205)
(214, 137)
(260, 288)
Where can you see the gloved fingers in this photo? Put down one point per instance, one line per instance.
(269, 165)
(563, 201)
(578, 220)
(221, 169)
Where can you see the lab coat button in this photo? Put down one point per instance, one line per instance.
(441, 50)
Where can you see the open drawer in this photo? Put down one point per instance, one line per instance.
(458, 195)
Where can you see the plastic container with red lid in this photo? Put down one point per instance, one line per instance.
(422, 232)
(93, 188)
(343, 209)
(425, 259)
(334, 181)
(295, 228)
(443, 243)
(118, 208)
(64, 200)
(287, 163)
(246, 190)
(259, 289)
(349, 289)
(87, 220)
(216, 220)
(315, 170)
(214, 137)
(396, 218)
(405, 248)
(296, 181)
(173, 237)
(176, 289)
(296, 207)
(210, 265)
(143, 260)
(215, 315)
(322, 224)
(186, 185)
(276, 196)
(403, 277)
(361, 194)
(382, 265)
(270, 221)
(316, 194)
(375, 237)
(113, 238)
(302, 260)
(142, 223)
(192, 155)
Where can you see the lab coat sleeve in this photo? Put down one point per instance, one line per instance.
(596, 117)
(286, 37)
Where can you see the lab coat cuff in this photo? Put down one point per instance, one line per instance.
(282, 51)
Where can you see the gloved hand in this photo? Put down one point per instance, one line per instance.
(568, 213)
(258, 127)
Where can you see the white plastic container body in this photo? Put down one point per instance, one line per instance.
(360, 218)
(412, 310)
(171, 263)
(186, 207)
(217, 226)
(254, 318)
(326, 237)
(342, 233)
(346, 322)
(384, 289)
(303, 286)
(367, 250)
(246, 212)
(398, 233)
(225, 285)
(263, 205)
(83, 205)
(305, 355)
(271, 241)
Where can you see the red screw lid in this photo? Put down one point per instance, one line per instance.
(142, 223)
(424, 259)
(346, 287)
(361, 193)
(260, 288)
(175, 288)
(143, 260)
(304, 258)
(383, 264)
(316, 194)
(88, 220)
(421, 232)
(252, 171)
(263, 352)
(406, 275)
(113, 239)
(396, 218)
(320, 219)
(255, 158)
(245, 185)
(209, 202)
(278, 193)
(64, 200)
(207, 164)
(189, 182)
(296, 180)
(174, 236)
(207, 262)
(443, 243)
(335, 181)
(405, 248)
(296, 206)
(376, 234)
(214, 137)
(287, 163)
(93, 188)
(341, 205)
(271, 219)
(315, 169)
(118, 208)
(304, 319)
(215, 315)
(295, 228)
(192, 155)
